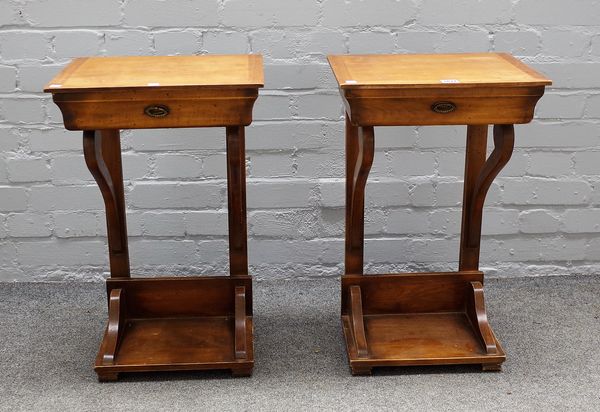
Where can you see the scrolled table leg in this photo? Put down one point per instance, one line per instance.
(360, 148)
(102, 152)
(479, 175)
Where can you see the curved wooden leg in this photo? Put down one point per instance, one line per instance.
(360, 146)
(236, 201)
(102, 152)
(479, 175)
(355, 313)
(113, 335)
(240, 322)
(116, 325)
(478, 317)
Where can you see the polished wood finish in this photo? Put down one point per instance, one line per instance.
(236, 201)
(102, 153)
(196, 91)
(479, 175)
(427, 318)
(130, 73)
(472, 106)
(419, 71)
(186, 296)
(357, 322)
(417, 319)
(240, 323)
(167, 323)
(401, 90)
(115, 327)
(188, 107)
(478, 317)
(360, 149)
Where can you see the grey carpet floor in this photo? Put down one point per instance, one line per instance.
(549, 327)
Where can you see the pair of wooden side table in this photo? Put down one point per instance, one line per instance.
(205, 322)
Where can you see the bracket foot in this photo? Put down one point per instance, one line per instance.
(108, 376)
(361, 370)
(491, 367)
(241, 373)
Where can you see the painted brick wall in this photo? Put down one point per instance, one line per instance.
(542, 215)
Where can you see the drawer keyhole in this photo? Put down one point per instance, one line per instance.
(443, 107)
(156, 110)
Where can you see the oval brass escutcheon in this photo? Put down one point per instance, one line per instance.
(443, 107)
(156, 110)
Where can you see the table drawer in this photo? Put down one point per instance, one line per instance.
(441, 107)
(119, 110)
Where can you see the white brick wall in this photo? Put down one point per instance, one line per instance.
(542, 214)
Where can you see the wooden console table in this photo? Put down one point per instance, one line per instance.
(167, 323)
(427, 318)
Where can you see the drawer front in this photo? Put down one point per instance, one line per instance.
(403, 112)
(85, 112)
(370, 109)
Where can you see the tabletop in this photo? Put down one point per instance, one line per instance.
(433, 70)
(99, 73)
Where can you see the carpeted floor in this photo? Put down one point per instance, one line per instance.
(549, 327)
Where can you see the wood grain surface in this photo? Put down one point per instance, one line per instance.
(433, 70)
(126, 72)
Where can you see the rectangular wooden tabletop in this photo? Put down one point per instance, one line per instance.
(433, 70)
(99, 73)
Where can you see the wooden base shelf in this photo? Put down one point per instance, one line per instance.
(417, 319)
(184, 323)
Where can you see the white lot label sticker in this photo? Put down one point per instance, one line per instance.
(449, 81)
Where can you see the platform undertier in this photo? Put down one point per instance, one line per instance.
(169, 323)
(420, 339)
(178, 342)
(402, 319)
